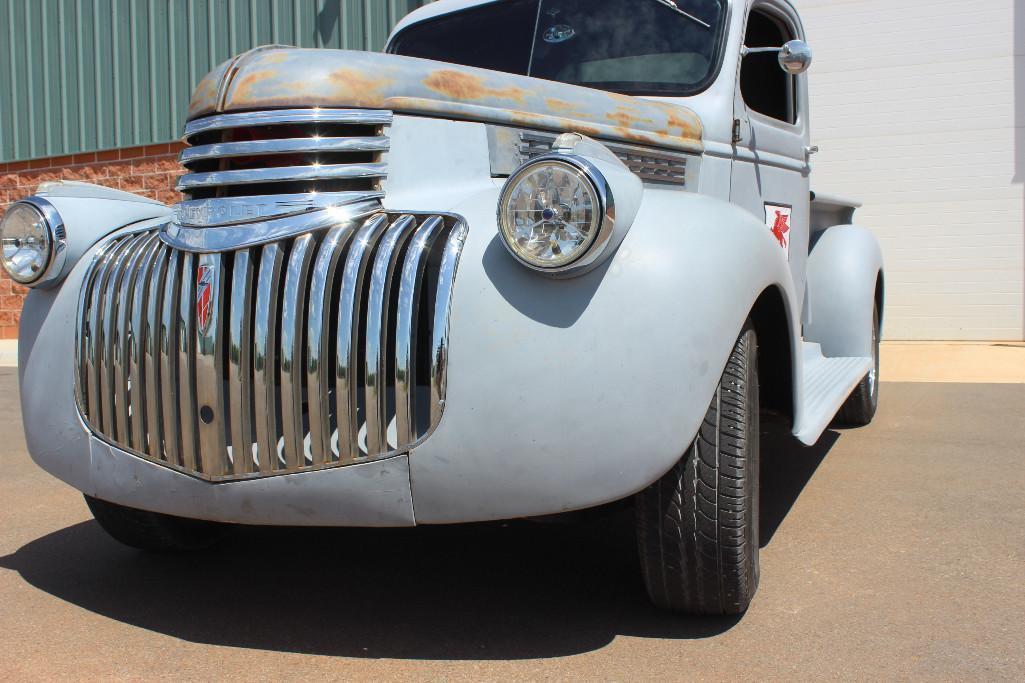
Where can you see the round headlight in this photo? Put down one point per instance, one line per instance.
(26, 243)
(32, 242)
(551, 212)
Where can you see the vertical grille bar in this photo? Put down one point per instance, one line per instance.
(137, 341)
(187, 362)
(240, 368)
(375, 359)
(110, 348)
(154, 396)
(442, 302)
(169, 359)
(209, 340)
(122, 342)
(318, 350)
(264, 357)
(348, 315)
(94, 363)
(407, 318)
(293, 313)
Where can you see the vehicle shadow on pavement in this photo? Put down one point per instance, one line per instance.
(509, 590)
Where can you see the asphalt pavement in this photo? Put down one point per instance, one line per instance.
(895, 551)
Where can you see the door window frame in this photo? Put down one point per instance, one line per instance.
(778, 13)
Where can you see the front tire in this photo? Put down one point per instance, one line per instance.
(697, 526)
(152, 531)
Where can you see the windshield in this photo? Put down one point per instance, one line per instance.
(634, 47)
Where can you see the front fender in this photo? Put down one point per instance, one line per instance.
(91, 212)
(565, 394)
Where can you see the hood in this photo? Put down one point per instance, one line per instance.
(275, 77)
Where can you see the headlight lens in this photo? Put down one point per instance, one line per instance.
(26, 242)
(549, 214)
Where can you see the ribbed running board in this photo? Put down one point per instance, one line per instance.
(826, 384)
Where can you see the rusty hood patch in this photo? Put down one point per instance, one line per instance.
(270, 78)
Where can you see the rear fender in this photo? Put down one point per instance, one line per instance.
(845, 269)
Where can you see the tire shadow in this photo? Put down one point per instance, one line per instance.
(511, 590)
(787, 466)
(508, 590)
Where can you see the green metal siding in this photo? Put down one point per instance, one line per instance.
(89, 75)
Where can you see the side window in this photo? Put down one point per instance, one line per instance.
(766, 88)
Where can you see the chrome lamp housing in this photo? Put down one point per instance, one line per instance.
(33, 240)
(563, 213)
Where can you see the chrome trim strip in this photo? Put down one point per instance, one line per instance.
(407, 317)
(274, 117)
(169, 359)
(253, 234)
(209, 340)
(221, 211)
(280, 174)
(440, 327)
(240, 365)
(375, 358)
(315, 145)
(264, 357)
(293, 312)
(318, 349)
(137, 344)
(187, 362)
(154, 395)
(349, 303)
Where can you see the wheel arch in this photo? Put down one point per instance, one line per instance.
(775, 351)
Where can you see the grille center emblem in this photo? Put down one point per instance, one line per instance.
(204, 297)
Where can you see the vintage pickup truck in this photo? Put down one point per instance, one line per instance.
(537, 257)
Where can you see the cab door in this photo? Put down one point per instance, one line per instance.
(771, 137)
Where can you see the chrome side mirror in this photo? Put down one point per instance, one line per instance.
(795, 57)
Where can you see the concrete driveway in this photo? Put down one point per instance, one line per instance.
(893, 551)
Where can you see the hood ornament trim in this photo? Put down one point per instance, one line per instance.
(223, 233)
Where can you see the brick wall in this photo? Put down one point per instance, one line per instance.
(150, 171)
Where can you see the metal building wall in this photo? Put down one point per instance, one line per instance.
(89, 75)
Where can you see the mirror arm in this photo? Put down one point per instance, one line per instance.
(758, 50)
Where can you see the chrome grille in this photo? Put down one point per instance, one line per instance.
(650, 165)
(288, 151)
(325, 349)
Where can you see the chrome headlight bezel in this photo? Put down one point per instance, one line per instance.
(56, 235)
(605, 211)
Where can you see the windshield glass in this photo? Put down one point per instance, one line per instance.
(635, 47)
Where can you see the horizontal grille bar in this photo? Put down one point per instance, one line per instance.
(322, 350)
(377, 143)
(191, 181)
(280, 117)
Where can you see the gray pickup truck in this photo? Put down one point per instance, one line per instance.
(539, 256)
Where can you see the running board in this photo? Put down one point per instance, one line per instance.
(826, 384)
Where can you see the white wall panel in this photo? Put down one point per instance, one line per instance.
(919, 110)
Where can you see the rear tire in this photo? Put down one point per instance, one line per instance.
(697, 526)
(153, 531)
(860, 407)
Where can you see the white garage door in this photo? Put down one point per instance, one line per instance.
(919, 109)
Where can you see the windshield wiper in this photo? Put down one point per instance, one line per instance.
(671, 4)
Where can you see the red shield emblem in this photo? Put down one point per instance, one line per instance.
(204, 297)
